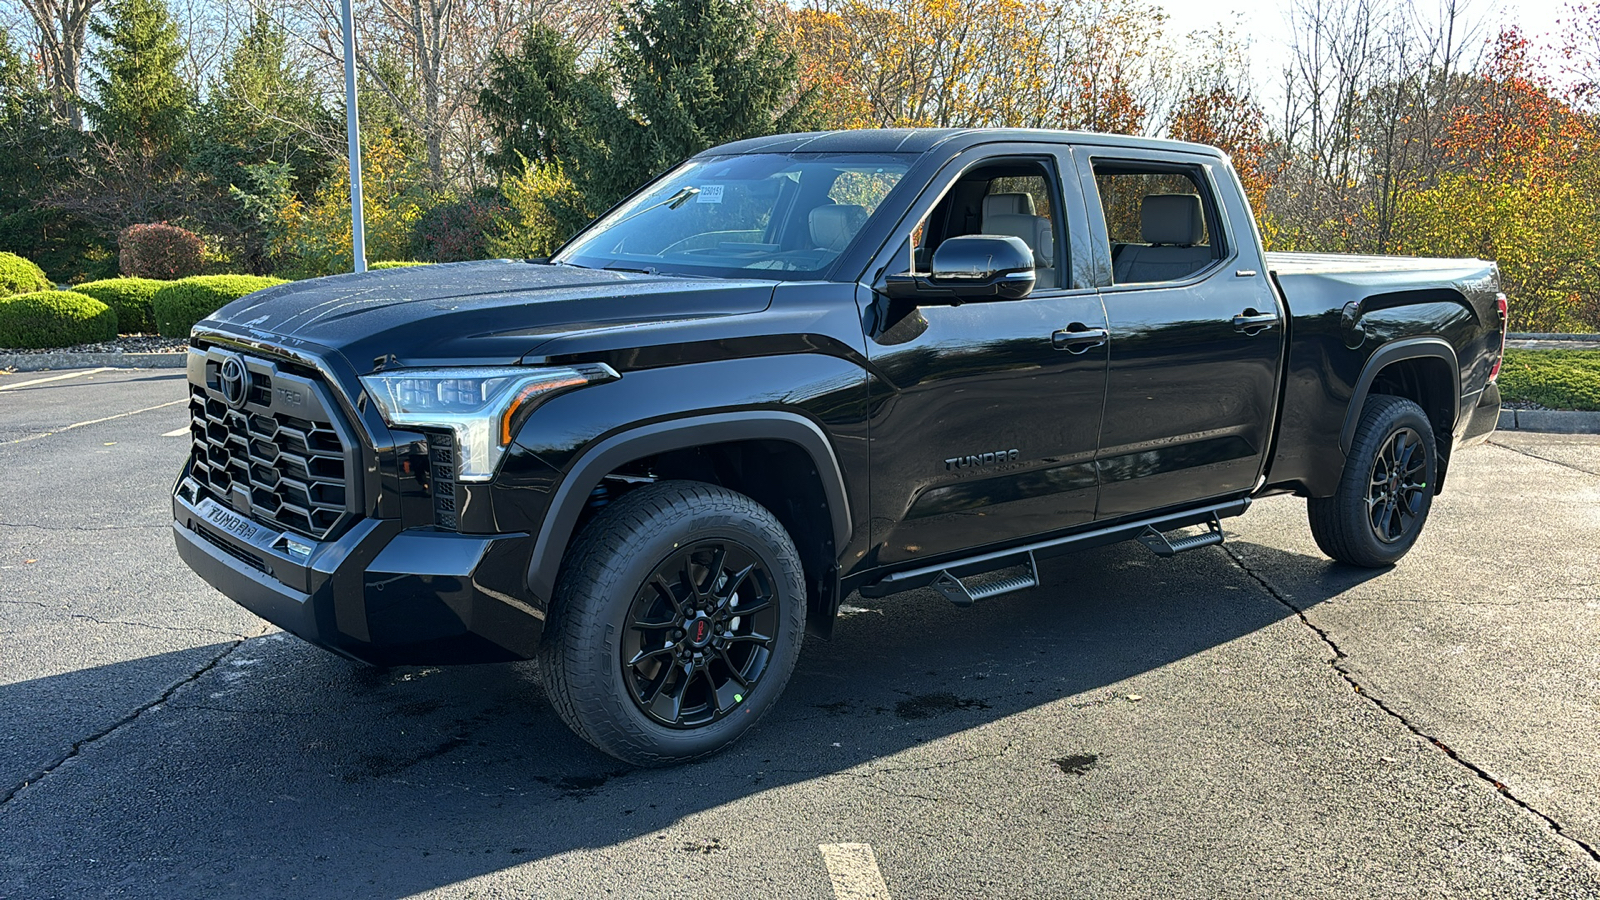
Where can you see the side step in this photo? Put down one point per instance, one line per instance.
(1161, 545)
(958, 593)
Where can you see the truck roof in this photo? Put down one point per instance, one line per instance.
(950, 140)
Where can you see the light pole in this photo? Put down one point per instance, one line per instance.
(358, 222)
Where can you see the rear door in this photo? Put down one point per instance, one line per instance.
(985, 416)
(1197, 335)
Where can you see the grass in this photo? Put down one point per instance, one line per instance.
(1558, 379)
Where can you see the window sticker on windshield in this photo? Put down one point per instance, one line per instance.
(709, 193)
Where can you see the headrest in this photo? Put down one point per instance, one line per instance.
(1172, 219)
(1034, 231)
(834, 225)
(1018, 204)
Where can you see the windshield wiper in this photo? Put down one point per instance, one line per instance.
(647, 270)
(684, 195)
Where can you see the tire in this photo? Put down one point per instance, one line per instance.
(646, 612)
(1386, 491)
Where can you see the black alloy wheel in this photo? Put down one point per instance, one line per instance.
(700, 634)
(1399, 480)
(1382, 501)
(676, 622)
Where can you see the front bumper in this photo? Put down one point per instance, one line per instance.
(377, 593)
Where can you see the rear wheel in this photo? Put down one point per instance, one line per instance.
(1387, 488)
(676, 624)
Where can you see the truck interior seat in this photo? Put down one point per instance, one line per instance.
(833, 225)
(1012, 215)
(1173, 225)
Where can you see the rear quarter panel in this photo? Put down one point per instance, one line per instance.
(1342, 310)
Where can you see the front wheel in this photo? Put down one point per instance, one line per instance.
(1387, 488)
(676, 623)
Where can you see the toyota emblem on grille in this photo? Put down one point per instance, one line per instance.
(234, 380)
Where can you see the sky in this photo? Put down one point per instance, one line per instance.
(1264, 21)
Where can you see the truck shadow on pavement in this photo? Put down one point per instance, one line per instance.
(285, 760)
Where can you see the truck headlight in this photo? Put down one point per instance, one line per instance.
(480, 405)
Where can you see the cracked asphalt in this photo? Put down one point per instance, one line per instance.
(1243, 721)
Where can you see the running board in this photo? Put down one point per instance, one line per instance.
(1163, 546)
(957, 592)
(923, 576)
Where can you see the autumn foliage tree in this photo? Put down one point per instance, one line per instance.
(1519, 191)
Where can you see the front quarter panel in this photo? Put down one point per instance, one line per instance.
(802, 359)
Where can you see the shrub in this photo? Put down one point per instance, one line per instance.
(45, 319)
(180, 304)
(130, 297)
(19, 276)
(160, 251)
(453, 230)
(545, 208)
(394, 264)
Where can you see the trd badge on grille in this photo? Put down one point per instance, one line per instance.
(234, 380)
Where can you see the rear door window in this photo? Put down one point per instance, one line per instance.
(1161, 222)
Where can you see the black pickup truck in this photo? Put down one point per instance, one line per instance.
(800, 366)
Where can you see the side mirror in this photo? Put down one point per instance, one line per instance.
(970, 267)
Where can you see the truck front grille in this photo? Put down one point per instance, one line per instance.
(276, 455)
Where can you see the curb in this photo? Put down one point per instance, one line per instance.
(34, 362)
(1546, 336)
(1549, 421)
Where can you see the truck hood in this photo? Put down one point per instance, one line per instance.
(490, 313)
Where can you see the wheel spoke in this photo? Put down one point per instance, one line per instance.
(733, 670)
(672, 697)
(643, 655)
(718, 557)
(660, 583)
(750, 638)
(653, 689)
(756, 607)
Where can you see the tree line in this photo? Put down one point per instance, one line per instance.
(497, 127)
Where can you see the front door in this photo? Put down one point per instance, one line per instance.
(1197, 335)
(986, 416)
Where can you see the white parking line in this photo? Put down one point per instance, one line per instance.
(853, 869)
(176, 431)
(23, 384)
(45, 434)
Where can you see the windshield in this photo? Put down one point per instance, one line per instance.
(778, 215)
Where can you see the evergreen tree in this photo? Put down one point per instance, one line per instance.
(39, 152)
(263, 110)
(533, 101)
(694, 73)
(139, 97)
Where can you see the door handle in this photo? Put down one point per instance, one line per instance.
(1252, 322)
(1078, 339)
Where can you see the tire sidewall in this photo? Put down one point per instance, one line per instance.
(610, 599)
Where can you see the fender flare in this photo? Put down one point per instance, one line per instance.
(677, 434)
(1388, 354)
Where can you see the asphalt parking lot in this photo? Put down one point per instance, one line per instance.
(1247, 721)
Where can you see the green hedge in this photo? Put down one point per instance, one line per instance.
(393, 264)
(179, 304)
(19, 276)
(1559, 379)
(130, 297)
(45, 319)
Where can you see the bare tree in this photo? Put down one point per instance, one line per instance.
(445, 48)
(61, 27)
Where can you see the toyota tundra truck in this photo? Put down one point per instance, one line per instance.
(802, 366)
